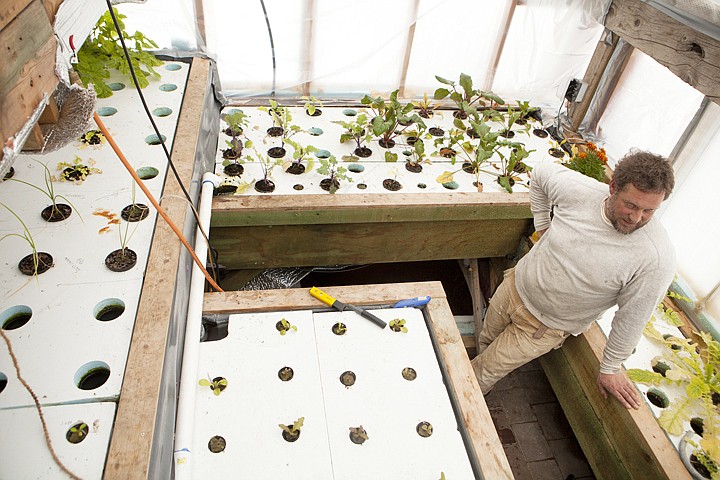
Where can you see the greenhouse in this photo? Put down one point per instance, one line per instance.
(419, 239)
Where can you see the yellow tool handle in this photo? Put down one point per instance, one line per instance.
(322, 296)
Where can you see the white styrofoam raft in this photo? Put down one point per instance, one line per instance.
(24, 454)
(63, 335)
(376, 169)
(385, 404)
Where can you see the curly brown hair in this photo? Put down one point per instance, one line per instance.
(647, 171)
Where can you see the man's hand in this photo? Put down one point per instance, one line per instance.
(620, 387)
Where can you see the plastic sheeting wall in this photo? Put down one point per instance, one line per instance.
(347, 48)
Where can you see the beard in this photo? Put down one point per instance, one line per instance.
(620, 224)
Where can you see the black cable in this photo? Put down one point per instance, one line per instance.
(152, 122)
(272, 45)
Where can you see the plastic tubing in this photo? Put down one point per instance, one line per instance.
(157, 206)
(182, 454)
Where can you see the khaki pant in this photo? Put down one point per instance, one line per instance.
(511, 336)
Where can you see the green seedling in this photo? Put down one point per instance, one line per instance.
(26, 236)
(284, 326)
(294, 429)
(312, 105)
(335, 173)
(398, 325)
(77, 171)
(217, 384)
(48, 191)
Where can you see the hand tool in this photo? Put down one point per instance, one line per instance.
(340, 306)
(413, 302)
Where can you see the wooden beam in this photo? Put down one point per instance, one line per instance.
(27, 71)
(691, 55)
(255, 210)
(593, 75)
(451, 350)
(9, 9)
(338, 244)
(130, 448)
(618, 442)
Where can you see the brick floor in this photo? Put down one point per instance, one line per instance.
(536, 437)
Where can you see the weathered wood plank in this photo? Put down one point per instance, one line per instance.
(691, 55)
(9, 9)
(634, 435)
(323, 209)
(131, 443)
(334, 244)
(27, 71)
(466, 392)
(594, 73)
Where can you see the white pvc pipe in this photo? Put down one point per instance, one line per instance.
(188, 373)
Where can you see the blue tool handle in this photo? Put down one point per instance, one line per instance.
(413, 302)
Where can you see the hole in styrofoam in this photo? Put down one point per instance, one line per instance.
(172, 67)
(421, 185)
(339, 328)
(168, 87)
(361, 186)
(358, 435)
(286, 374)
(92, 375)
(315, 131)
(116, 86)
(348, 378)
(109, 309)
(658, 398)
(409, 373)
(298, 186)
(323, 153)
(356, 168)
(147, 173)
(3, 381)
(217, 444)
(349, 112)
(154, 139)
(696, 423)
(135, 212)
(77, 433)
(424, 429)
(162, 112)
(106, 111)
(15, 317)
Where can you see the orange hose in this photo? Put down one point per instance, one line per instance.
(157, 206)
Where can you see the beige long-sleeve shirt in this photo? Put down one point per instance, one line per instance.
(582, 266)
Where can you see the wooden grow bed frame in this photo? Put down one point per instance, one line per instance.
(462, 382)
(266, 231)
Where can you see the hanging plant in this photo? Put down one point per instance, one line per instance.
(102, 53)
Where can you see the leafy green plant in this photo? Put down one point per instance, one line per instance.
(467, 98)
(391, 119)
(79, 430)
(237, 122)
(217, 384)
(696, 369)
(77, 170)
(398, 325)
(512, 164)
(312, 105)
(335, 173)
(426, 108)
(102, 52)
(292, 432)
(49, 191)
(357, 131)
(266, 162)
(301, 154)
(283, 326)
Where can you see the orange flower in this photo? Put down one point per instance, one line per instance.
(582, 155)
(591, 146)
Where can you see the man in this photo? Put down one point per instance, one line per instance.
(598, 251)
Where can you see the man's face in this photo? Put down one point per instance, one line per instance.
(629, 209)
